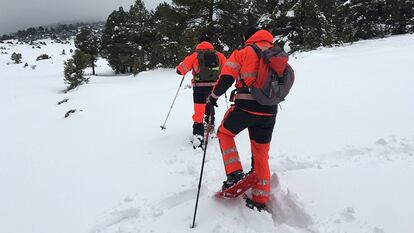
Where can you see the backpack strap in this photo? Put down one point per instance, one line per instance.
(257, 50)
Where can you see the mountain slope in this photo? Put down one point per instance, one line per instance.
(343, 149)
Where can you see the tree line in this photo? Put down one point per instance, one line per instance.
(137, 39)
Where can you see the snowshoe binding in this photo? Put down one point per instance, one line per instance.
(237, 183)
(255, 205)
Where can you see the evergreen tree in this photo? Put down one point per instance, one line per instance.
(343, 22)
(128, 39)
(169, 27)
(200, 17)
(141, 37)
(330, 11)
(310, 27)
(188, 41)
(73, 69)
(17, 58)
(234, 17)
(367, 18)
(88, 42)
(197, 14)
(400, 16)
(276, 16)
(114, 43)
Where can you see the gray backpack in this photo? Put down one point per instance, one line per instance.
(275, 76)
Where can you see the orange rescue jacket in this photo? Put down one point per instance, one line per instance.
(191, 62)
(243, 64)
(242, 67)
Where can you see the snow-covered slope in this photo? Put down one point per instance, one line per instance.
(343, 149)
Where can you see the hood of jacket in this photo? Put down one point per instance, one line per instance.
(205, 46)
(261, 35)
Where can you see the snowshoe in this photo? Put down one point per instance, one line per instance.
(255, 205)
(237, 183)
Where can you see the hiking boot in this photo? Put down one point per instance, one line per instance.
(255, 205)
(232, 179)
(198, 129)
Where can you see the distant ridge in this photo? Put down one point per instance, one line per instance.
(56, 31)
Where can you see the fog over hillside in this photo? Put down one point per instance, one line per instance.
(45, 12)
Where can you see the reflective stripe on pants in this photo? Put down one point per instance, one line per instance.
(260, 192)
(228, 148)
(260, 133)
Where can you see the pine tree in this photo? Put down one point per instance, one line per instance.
(141, 37)
(73, 69)
(277, 17)
(367, 18)
(17, 58)
(197, 14)
(400, 14)
(311, 28)
(234, 17)
(188, 41)
(115, 39)
(169, 27)
(88, 42)
(330, 11)
(128, 39)
(200, 17)
(343, 22)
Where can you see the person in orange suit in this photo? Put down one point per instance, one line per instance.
(246, 112)
(205, 63)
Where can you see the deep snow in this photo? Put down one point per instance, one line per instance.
(343, 149)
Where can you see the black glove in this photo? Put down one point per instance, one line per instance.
(211, 101)
(210, 104)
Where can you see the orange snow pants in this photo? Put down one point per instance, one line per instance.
(200, 95)
(260, 132)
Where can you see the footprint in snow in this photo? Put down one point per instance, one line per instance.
(116, 217)
(177, 199)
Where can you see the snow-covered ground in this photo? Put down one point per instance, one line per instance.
(343, 149)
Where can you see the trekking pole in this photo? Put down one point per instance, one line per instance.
(181, 83)
(202, 164)
(227, 101)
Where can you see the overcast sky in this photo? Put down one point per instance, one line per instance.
(21, 14)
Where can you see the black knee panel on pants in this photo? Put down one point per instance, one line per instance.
(260, 127)
(200, 94)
